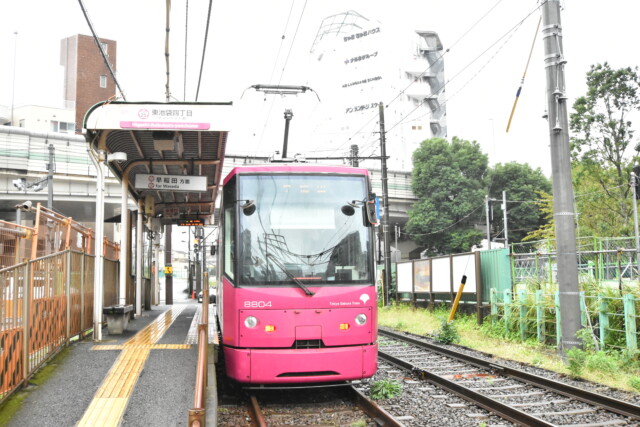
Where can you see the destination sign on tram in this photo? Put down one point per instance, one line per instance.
(191, 221)
(171, 182)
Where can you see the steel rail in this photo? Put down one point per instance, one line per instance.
(611, 404)
(376, 413)
(257, 417)
(505, 411)
(371, 408)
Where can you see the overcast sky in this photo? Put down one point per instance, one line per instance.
(246, 47)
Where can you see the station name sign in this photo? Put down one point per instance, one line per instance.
(171, 182)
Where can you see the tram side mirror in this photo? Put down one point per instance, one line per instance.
(249, 207)
(371, 211)
(348, 210)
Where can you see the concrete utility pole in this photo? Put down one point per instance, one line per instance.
(504, 216)
(634, 187)
(168, 277)
(488, 209)
(561, 173)
(50, 170)
(385, 208)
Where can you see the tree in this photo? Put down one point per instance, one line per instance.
(449, 181)
(523, 185)
(603, 132)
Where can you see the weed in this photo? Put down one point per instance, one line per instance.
(537, 360)
(359, 423)
(576, 358)
(589, 340)
(602, 362)
(385, 389)
(634, 382)
(447, 334)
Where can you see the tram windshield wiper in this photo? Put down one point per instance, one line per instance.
(277, 262)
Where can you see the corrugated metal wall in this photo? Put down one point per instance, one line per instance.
(496, 271)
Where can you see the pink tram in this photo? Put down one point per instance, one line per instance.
(296, 290)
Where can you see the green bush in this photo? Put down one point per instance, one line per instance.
(385, 389)
(447, 334)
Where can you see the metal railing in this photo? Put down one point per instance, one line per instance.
(46, 291)
(600, 260)
(197, 414)
(43, 304)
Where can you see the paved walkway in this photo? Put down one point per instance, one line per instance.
(145, 376)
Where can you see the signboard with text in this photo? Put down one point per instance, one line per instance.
(171, 182)
(191, 221)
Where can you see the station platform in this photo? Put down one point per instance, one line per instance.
(146, 376)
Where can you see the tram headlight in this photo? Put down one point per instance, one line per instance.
(361, 319)
(250, 322)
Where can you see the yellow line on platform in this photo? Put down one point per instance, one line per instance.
(152, 347)
(110, 401)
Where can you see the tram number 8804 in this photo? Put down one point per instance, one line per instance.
(257, 304)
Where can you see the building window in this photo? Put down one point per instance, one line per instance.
(62, 127)
(104, 48)
(103, 81)
(21, 123)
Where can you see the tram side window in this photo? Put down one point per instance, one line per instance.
(229, 229)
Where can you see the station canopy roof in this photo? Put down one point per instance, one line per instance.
(174, 151)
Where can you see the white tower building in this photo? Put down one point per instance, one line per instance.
(359, 63)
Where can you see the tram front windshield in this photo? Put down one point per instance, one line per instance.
(303, 228)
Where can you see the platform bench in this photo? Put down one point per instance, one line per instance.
(117, 317)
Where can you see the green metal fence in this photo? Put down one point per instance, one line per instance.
(609, 319)
(600, 260)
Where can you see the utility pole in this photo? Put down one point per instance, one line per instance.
(634, 186)
(13, 84)
(168, 272)
(395, 232)
(561, 174)
(504, 216)
(487, 207)
(50, 169)
(205, 275)
(385, 208)
(189, 282)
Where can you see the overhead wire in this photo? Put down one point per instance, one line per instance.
(204, 49)
(509, 33)
(102, 52)
(430, 66)
(284, 66)
(275, 64)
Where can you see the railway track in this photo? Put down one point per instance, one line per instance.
(332, 406)
(514, 395)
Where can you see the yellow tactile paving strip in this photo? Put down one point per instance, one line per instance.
(152, 347)
(110, 401)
